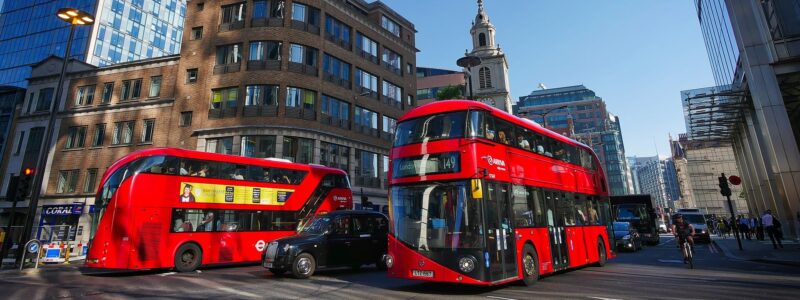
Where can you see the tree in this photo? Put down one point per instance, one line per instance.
(451, 92)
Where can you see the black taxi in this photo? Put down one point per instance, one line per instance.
(344, 238)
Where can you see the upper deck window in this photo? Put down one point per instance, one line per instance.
(430, 128)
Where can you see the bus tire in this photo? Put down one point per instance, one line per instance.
(303, 266)
(530, 265)
(601, 254)
(188, 257)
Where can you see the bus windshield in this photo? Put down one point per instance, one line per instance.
(430, 128)
(436, 216)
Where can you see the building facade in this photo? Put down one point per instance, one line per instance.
(431, 80)
(489, 79)
(656, 176)
(577, 112)
(315, 81)
(124, 30)
(757, 96)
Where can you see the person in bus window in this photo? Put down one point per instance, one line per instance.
(184, 171)
(207, 224)
(523, 142)
(237, 175)
(203, 171)
(501, 137)
(489, 133)
(187, 195)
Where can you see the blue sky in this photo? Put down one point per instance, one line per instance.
(635, 54)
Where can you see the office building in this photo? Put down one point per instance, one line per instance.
(656, 176)
(312, 82)
(753, 49)
(577, 112)
(431, 80)
(124, 30)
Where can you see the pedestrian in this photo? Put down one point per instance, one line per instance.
(721, 228)
(767, 220)
(759, 230)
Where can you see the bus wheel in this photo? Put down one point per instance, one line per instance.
(601, 253)
(303, 266)
(530, 265)
(188, 258)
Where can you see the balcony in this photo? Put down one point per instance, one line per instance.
(334, 121)
(367, 181)
(305, 27)
(392, 68)
(260, 111)
(303, 69)
(342, 43)
(231, 26)
(255, 65)
(336, 80)
(228, 68)
(301, 113)
(368, 56)
(266, 22)
(220, 113)
(366, 130)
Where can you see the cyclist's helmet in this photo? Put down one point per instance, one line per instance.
(677, 216)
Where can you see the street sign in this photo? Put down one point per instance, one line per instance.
(33, 246)
(735, 180)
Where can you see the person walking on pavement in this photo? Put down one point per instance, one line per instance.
(759, 230)
(743, 227)
(768, 222)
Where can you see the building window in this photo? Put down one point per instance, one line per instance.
(258, 95)
(147, 130)
(186, 118)
(191, 75)
(131, 89)
(390, 25)
(391, 60)
(227, 97)
(200, 6)
(67, 181)
(366, 81)
(123, 133)
(75, 137)
(481, 39)
(85, 95)
(389, 125)
(334, 156)
(45, 99)
(365, 117)
(409, 69)
(366, 168)
(303, 55)
(337, 31)
(298, 150)
(335, 108)
(259, 146)
(197, 33)
(108, 90)
(34, 140)
(300, 98)
(229, 54)
(410, 100)
(259, 9)
(265, 50)
(233, 13)
(306, 14)
(392, 92)
(90, 183)
(19, 142)
(155, 86)
(99, 135)
(336, 68)
(222, 145)
(366, 45)
(485, 78)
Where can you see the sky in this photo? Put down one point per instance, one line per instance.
(635, 54)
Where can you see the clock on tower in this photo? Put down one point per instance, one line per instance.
(487, 101)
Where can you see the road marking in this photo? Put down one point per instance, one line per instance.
(167, 274)
(501, 298)
(677, 261)
(601, 298)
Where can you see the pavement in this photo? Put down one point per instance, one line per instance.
(760, 251)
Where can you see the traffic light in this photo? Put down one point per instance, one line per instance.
(724, 189)
(24, 184)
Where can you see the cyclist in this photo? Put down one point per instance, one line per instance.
(682, 230)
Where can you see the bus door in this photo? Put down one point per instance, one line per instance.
(500, 234)
(558, 234)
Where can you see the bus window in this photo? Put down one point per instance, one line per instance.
(523, 139)
(591, 207)
(579, 205)
(565, 210)
(476, 124)
(431, 128)
(537, 202)
(505, 132)
(523, 214)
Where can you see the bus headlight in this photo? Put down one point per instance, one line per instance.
(467, 263)
(389, 261)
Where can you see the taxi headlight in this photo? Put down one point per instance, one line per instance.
(467, 263)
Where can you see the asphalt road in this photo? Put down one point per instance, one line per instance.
(653, 273)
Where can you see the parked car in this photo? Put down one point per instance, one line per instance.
(626, 237)
(345, 238)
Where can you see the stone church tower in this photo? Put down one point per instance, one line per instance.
(489, 80)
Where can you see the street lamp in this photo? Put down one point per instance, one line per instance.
(467, 62)
(544, 114)
(74, 17)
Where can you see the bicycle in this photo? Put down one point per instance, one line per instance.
(687, 253)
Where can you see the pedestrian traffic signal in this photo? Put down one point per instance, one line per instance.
(724, 189)
(24, 184)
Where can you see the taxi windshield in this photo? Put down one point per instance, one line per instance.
(317, 225)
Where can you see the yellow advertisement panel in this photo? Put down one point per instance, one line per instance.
(232, 194)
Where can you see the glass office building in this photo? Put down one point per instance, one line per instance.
(125, 30)
(718, 35)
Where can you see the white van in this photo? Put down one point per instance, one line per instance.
(698, 220)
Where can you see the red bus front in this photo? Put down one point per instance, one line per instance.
(154, 210)
(467, 208)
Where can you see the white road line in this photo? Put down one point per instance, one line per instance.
(501, 298)
(167, 274)
(601, 298)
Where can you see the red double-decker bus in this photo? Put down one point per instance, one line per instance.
(174, 208)
(482, 197)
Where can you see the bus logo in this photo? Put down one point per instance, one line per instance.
(495, 161)
(260, 245)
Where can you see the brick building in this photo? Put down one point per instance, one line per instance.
(313, 81)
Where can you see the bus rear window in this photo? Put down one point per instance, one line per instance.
(431, 128)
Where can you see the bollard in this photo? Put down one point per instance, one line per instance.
(66, 254)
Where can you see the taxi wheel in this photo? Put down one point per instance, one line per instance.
(303, 266)
(188, 258)
(530, 266)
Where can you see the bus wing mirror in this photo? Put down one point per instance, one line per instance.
(476, 188)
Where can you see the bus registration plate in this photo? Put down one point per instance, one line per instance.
(422, 273)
